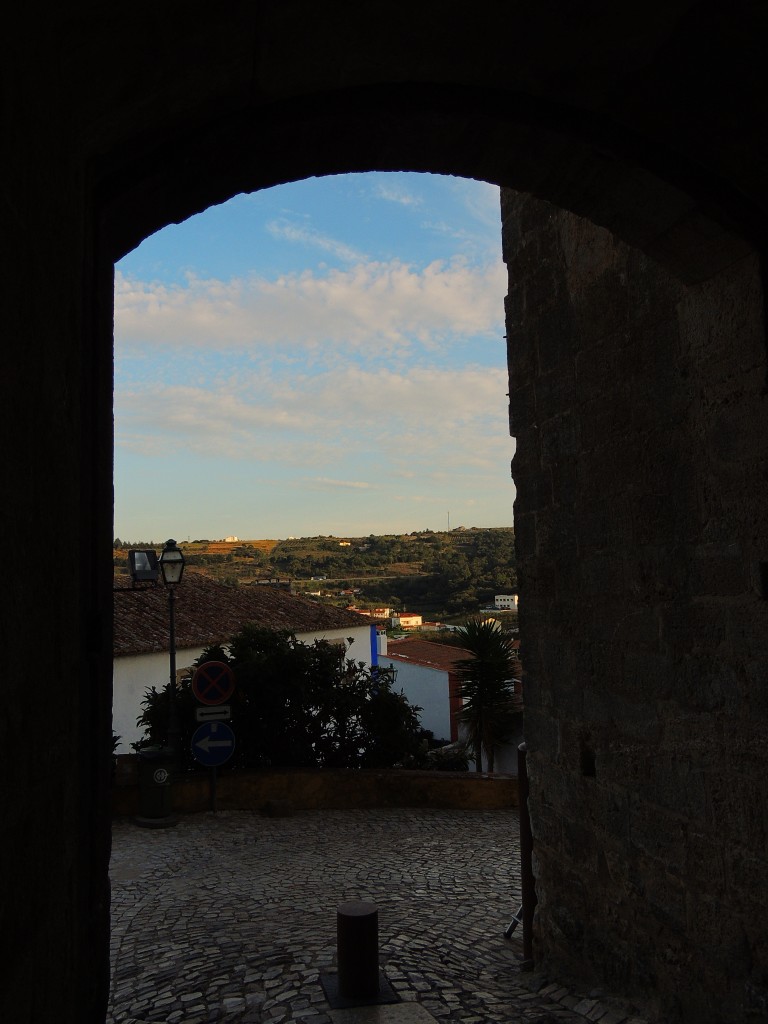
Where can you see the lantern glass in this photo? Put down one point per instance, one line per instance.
(171, 564)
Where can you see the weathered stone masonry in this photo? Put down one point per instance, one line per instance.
(639, 407)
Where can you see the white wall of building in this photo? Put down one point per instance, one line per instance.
(428, 688)
(132, 676)
(405, 621)
(360, 650)
(504, 757)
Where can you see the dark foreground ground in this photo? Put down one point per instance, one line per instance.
(232, 918)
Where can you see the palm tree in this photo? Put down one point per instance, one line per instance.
(491, 708)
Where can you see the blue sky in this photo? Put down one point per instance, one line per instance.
(324, 357)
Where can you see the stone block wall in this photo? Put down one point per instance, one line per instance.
(304, 789)
(639, 407)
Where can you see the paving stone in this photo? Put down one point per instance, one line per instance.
(233, 917)
(613, 1017)
(585, 1006)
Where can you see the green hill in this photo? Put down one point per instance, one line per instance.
(435, 573)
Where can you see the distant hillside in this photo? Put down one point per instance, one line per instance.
(432, 572)
(228, 547)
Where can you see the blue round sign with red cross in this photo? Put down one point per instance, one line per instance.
(213, 682)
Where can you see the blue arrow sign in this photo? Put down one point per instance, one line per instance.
(213, 743)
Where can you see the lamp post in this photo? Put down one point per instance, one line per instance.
(172, 569)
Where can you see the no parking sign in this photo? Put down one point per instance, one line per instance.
(213, 682)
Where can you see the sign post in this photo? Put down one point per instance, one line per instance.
(213, 742)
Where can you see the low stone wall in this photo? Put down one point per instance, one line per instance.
(314, 789)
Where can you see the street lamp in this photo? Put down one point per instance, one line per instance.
(171, 564)
(172, 569)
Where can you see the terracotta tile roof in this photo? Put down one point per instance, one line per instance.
(422, 652)
(210, 612)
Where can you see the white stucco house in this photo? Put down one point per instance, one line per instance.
(209, 612)
(426, 673)
(405, 620)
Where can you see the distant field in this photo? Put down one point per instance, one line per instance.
(227, 547)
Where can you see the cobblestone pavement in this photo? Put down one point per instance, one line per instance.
(232, 918)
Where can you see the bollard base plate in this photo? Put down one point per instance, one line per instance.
(330, 983)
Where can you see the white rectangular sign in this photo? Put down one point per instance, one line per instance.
(222, 713)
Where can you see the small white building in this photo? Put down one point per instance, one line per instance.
(406, 620)
(505, 602)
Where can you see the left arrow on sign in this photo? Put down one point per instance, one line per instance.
(206, 743)
(213, 744)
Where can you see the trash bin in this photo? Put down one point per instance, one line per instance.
(155, 800)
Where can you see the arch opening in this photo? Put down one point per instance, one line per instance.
(318, 311)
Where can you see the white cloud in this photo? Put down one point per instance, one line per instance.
(384, 304)
(326, 483)
(480, 231)
(299, 233)
(394, 192)
(409, 421)
(481, 200)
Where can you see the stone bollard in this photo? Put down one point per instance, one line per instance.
(357, 946)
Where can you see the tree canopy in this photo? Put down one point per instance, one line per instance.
(300, 705)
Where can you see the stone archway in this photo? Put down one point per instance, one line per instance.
(644, 120)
